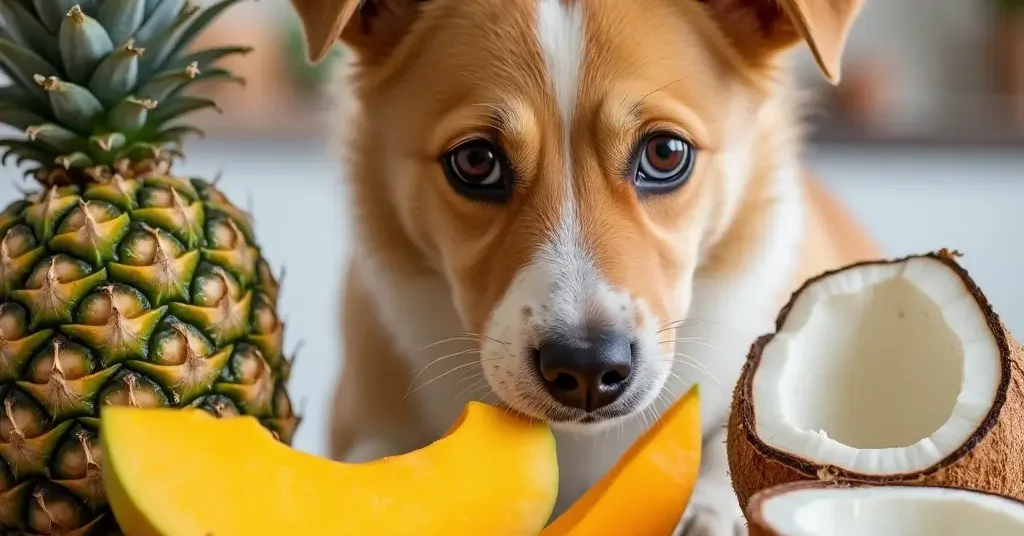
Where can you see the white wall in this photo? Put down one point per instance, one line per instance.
(936, 50)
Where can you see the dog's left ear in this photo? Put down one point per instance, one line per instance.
(762, 28)
(323, 21)
(372, 27)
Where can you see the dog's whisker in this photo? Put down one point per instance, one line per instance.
(694, 340)
(497, 401)
(676, 376)
(691, 362)
(672, 395)
(442, 358)
(479, 336)
(697, 343)
(686, 322)
(667, 396)
(448, 340)
(476, 376)
(644, 417)
(684, 359)
(464, 337)
(454, 369)
(459, 367)
(663, 398)
(473, 388)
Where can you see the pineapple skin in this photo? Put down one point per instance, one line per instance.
(120, 281)
(145, 292)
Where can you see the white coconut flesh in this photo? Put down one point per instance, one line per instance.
(878, 369)
(891, 511)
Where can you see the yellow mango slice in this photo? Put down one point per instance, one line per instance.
(646, 492)
(186, 473)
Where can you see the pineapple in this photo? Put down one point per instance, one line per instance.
(120, 282)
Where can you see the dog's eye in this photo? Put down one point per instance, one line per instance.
(664, 161)
(477, 169)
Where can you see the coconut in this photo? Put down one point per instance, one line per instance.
(882, 372)
(826, 509)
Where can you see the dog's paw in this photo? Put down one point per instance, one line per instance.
(712, 520)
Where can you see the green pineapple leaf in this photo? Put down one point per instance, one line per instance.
(160, 48)
(174, 135)
(83, 45)
(22, 66)
(55, 137)
(201, 22)
(160, 15)
(117, 75)
(180, 107)
(206, 58)
(129, 115)
(121, 18)
(23, 150)
(26, 30)
(72, 104)
(52, 12)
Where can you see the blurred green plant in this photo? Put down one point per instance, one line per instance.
(1012, 6)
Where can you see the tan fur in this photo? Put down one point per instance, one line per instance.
(431, 264)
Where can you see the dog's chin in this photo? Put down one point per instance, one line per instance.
(590, 423)
(573, 420)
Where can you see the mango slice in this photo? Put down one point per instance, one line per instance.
(647, 491)
(186, 473)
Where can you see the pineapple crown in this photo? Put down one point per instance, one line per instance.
(98, 85)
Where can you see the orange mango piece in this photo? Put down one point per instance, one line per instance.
(185, 473)
(647, 491)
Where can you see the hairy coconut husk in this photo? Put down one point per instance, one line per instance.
(990, 460)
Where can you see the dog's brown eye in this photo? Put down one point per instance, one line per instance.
(477, 169)
(477, 164)
(664, 157)
(665, 154)
(663, 162)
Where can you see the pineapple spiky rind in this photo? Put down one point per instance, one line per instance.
(120, 282)
(104, 301)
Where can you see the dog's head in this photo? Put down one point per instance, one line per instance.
(564, 164)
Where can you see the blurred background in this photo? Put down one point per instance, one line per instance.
(923, 140)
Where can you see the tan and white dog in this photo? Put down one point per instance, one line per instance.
(551, 192)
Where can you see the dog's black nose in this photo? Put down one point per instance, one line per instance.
(586, 374)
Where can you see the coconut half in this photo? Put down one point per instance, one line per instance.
(882, 372)
(823, 509)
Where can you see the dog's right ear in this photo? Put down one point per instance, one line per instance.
(371, 27)
(763, 28)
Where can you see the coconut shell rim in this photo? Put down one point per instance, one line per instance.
(825, 472)
(754, 511)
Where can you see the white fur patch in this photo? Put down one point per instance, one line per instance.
(562, 291)
(561, 35)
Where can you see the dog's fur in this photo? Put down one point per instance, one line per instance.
(447, 297)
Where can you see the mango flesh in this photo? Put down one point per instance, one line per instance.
(186, 473)
(647, 491)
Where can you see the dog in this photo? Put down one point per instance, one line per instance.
(548, 195)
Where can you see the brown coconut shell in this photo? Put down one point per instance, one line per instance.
(991, 460)
(758, 526)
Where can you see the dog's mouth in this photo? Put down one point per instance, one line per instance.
(596, 420)
(600, 418)
(527, 394)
